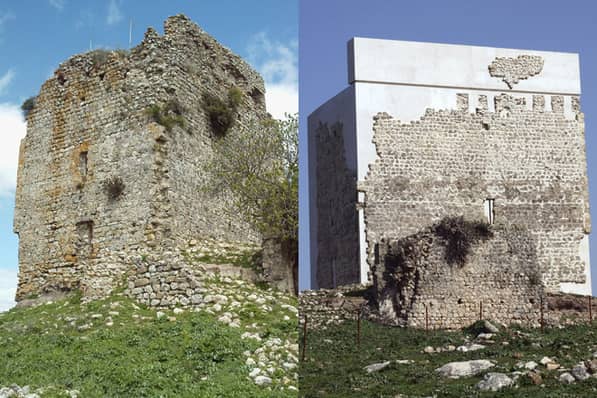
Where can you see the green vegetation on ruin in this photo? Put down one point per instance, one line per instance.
(222, 114)
(167, 115)
(28, 105)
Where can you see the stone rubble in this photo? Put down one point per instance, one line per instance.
(494, 382)
(14, 391)
(376, 367)
(455, 370)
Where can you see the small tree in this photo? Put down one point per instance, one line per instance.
(28, 106)
(258, 165)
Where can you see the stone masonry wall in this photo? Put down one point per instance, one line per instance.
(531, 162)
(90, 124)
(512, 70)
(337, 224)
(415, 284)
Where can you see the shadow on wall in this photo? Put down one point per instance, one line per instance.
(337, 222)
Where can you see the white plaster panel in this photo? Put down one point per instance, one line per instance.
(581, 288)
(449, 65)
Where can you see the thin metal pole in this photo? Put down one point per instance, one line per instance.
(590, 309)
(542, 320)
(480, 310)
(304, 338)
(359, 329)
(426, 318)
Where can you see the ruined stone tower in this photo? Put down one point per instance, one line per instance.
(430, 132)
(111, 163)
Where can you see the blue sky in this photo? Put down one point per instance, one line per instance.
(37, 35)
(326, 26)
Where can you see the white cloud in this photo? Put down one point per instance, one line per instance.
(114, 12)
(278, 64)
(8, 288)
(6, 80)
(7, 16)
(12, 130)
(58, 4)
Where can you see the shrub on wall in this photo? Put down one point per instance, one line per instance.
(28, 106)
(101, 56)
(114, 187)
(222, 113)
(167, 115)
(459, 235)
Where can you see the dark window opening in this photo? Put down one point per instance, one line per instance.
(489, 207)
(83, 163)
(376, 253)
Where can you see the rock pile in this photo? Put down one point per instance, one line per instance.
(331, 306)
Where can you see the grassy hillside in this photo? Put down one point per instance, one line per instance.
(117, 348)
(334, 363)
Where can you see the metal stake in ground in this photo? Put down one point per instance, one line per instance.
(358, 328)
(480, 310)
(542, 321)
(426, 318)
(590, 309)
(304, 339)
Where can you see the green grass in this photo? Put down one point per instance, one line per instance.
(334, 363)
(245, 259)
(138, 356)
(209, 253)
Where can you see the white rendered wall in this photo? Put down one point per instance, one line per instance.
(581, 288)
(405, 78)
(449, 65)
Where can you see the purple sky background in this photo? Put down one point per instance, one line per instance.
(326, 26)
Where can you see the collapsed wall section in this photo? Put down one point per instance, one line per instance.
(417, 285)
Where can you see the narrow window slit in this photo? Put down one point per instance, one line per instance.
(488, 205)
(83, 163)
